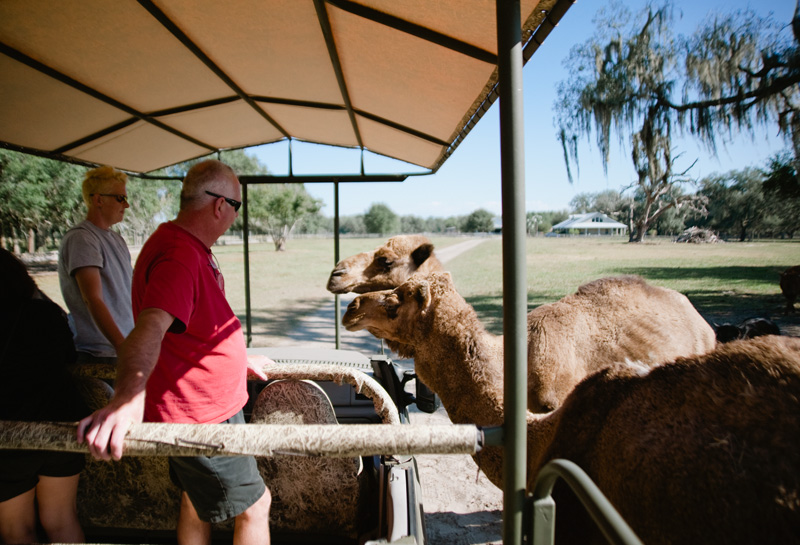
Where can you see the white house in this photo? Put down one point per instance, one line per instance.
(593, 223)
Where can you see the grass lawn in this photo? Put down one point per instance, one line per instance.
(726, 282)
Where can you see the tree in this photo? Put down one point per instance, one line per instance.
(781, 190)
(738, 203)
(39, 199)
(532, 223)
(479, 221)
(581, 203)
(353, 225)
(742, 71)
(279, 208)
(609, 202)
(413, 224)
(616, 82)
(380, 219)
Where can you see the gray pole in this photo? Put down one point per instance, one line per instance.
(336, 309)
(246, 246)
(509, 55)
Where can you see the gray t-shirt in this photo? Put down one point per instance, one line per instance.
(86, 245)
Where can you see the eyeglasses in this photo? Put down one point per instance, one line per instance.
(234, 203)
(214, 264)
(120, 197)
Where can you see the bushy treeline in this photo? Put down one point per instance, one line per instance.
(40, 199)
(387, 222)
(737, 205)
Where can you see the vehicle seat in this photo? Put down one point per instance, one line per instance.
(309, 494)
(132, 493)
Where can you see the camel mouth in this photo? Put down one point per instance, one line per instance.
(352, 318)
(338, 285)
(352, 323)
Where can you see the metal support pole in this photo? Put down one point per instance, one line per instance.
(246, 235)
(336, 305)
(509, 54)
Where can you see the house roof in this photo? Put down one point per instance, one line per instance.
(592, 220)
(145, 84)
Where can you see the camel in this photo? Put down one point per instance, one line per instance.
(699, 450)
(609, 320)
(790, 286)
(385, 267)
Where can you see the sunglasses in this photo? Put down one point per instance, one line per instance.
(120, 198)
(234, 203)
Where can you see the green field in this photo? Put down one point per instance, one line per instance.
(726, 282)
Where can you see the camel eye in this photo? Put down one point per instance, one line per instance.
(384, 262)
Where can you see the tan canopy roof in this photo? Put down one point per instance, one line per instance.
(145, 84)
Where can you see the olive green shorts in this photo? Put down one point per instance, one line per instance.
(219, 487)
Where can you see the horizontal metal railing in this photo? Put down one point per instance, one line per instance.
(158, 439)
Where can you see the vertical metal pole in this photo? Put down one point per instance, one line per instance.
(246, 234)
(336, 306)
(509, 54)
(291, 168)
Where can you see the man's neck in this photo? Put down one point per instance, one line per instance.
(197, 225)
(96, 218)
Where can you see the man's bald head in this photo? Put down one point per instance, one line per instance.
(210, 175)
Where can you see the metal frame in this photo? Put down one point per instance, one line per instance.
(543, 519)
(512, 54)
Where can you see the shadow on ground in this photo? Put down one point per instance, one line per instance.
(731, 305)
(732, 274)
(485, 527)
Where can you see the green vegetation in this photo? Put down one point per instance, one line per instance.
(724, 281)
(636, 78)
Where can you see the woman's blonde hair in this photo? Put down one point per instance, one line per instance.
(98, 179)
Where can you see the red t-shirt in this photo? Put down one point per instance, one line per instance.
(201, 374)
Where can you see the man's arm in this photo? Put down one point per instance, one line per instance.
(104, 430)
(91, 286)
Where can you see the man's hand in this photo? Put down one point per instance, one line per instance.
(256, 364)
(104, 430)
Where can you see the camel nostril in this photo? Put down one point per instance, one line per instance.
(354, 304)
(339, 272)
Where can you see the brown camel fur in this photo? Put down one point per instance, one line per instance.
(790, 286)
(620, 319)
(700, 450)
(385, 267)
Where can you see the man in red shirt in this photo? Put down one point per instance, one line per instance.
(185, 361)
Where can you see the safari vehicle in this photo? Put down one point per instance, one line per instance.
(144, 84)
(315, 499)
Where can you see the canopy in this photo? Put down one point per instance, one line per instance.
(146, 84)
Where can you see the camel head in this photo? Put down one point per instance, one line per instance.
(385, 267)
(393, 315)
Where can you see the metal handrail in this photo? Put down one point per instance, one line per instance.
(543, 520)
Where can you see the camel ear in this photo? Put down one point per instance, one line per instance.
(419, 255)
(423, 296)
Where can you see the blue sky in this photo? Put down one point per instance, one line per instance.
(470, 178)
